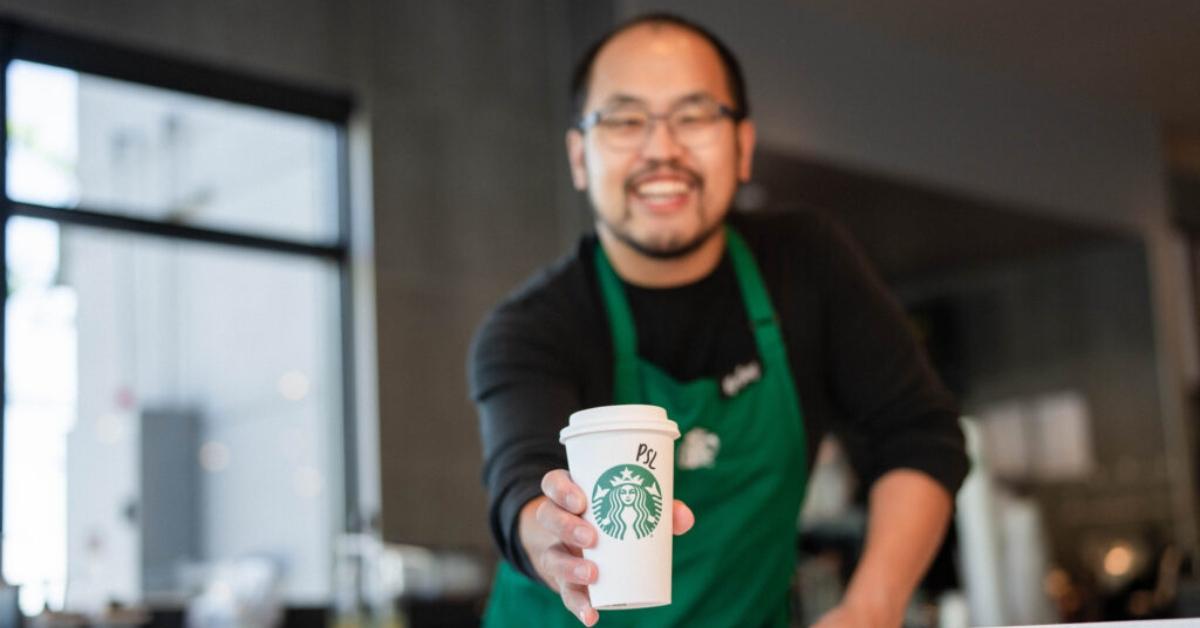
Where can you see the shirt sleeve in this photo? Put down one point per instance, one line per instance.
(521, 385)
(896, 406)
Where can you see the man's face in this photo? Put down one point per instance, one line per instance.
(660, 197)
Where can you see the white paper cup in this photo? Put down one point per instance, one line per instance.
(623, 457)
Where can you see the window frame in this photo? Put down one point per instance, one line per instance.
(27, 42)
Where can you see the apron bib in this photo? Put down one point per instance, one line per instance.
(745, 477)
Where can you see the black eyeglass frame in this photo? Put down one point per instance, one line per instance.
(588, 122)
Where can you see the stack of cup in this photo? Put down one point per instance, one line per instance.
(623, 457)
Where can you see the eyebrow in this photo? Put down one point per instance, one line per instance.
(617, 100)
(620, 99)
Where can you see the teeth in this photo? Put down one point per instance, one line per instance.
(662, 188)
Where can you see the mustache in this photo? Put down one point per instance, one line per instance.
(658, 166)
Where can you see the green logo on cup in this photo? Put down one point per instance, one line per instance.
(627, 499)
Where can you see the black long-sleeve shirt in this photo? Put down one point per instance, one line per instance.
(546, 351)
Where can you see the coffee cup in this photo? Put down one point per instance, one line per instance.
(623, 457)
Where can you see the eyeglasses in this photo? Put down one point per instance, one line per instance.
(693, 123)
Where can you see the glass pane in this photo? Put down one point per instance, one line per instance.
(171, 406)
(80, 140)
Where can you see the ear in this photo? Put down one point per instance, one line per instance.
(575, 157)
(745, 137)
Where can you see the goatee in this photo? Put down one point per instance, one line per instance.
(662, 251)
(670, 247)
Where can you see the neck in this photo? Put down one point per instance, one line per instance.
(649, 272)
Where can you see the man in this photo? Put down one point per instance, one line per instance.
(759, 333)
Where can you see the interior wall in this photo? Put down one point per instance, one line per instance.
(300, 40)
(463, 100)
(834, 90)
(1076, 323)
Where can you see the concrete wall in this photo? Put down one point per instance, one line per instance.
(301, 40)
(466, 154)
(836, 91)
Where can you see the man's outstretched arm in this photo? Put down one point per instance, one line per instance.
(908, 516)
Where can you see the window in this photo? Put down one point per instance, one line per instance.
(82, 140)
(176, 370)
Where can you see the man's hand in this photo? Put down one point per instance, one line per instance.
(553, 532)
(847, 615)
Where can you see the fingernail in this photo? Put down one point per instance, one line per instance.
(582, 572)
(582, 535)
(583, 617)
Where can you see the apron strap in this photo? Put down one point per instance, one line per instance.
(754, 294)
(763, 322)
(624, 334)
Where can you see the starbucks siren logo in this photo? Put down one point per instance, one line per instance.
(627, 502)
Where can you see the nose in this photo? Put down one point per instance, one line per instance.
(661, 144)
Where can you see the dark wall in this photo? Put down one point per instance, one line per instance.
(1077, 321)
(471, 195)
(1017, 305)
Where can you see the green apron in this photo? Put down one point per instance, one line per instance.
(735, 565)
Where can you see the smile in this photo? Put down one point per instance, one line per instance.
(663, 195)
(661, 189)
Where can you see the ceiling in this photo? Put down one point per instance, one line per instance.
(1144, 54)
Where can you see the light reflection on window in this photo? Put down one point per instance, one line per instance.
(43, 132)
(39, 413)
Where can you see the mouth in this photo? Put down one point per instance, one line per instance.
(663, 194)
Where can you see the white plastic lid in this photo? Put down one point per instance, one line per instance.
(628, 417)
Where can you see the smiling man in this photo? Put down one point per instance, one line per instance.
(661, 183)
(759, 333)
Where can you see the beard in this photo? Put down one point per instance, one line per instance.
(668, 246)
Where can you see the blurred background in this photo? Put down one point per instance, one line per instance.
(246, 244)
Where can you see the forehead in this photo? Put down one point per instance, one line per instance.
(657, 63)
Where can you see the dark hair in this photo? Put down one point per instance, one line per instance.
(733, 70)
